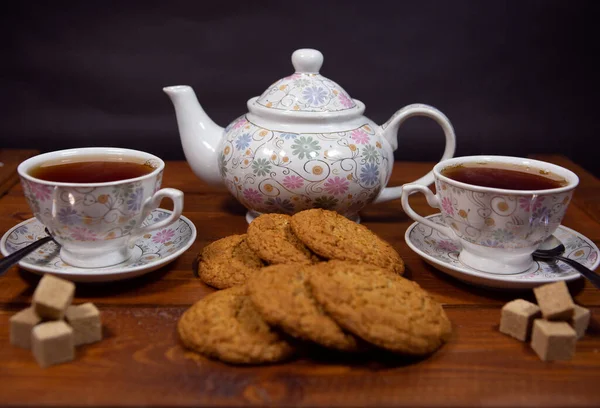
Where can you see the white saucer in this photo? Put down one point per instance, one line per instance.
(152, 251)
(442, 253)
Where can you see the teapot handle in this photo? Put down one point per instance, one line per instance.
(390, 133)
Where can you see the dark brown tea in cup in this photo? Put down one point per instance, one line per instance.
(91, 169)
(506, 176)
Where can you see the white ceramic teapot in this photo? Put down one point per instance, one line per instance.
(304, 143)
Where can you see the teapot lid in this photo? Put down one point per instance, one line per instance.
(306, 90)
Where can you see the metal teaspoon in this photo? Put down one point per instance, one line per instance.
(552, 249)
(9, 261)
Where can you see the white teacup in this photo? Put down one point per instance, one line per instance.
(498, 228)
(97, 224)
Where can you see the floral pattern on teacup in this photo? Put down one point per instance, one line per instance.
(306, 92)
(271, 171)
(501, 220)
(89, 213)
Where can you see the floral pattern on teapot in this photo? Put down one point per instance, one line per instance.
(501, 220)
(271, 171)
(306, 92)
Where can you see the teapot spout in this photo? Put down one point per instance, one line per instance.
(200, 136)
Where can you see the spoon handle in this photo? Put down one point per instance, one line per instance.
(588, 273)
(15, 257)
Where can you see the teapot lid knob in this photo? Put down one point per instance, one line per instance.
(307, 60)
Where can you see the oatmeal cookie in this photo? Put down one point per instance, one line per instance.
(380, 307)
(228, 262)
(282, 297)
(333, 236)
(272, 238)
(226, 326)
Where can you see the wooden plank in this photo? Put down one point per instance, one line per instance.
(175, 284)
(217, 215)
(140, 362)
(9, 161)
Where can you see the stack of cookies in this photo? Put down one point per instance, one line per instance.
(307, 237)
(313, 278)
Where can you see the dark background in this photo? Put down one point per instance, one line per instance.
(514, 77)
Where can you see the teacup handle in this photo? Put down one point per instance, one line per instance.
(390, 133)
(153, 202)
(432, 200)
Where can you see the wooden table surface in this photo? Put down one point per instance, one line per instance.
(141, 362)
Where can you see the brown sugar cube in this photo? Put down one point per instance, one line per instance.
(555, 301)
(553, 340)
(85, 321)
(21, 325)
(52, 343)
(580, 320)
(517, 318)
(52, 297)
